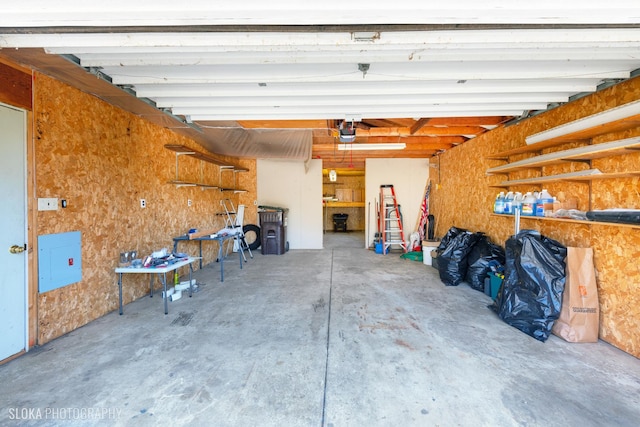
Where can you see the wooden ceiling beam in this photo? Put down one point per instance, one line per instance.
(353, 164)
(468, 121)
(378, 123)
(419, 124)
(415, 140)
(358, 160)
(450, 130)
(285, 124)
(407, 123)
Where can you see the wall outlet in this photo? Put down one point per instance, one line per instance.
(48, 204)
(188, 202)
(143, 203)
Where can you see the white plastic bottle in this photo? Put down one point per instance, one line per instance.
(529, 205)
(544, 203)
(517, 202)
(508, 203)
(498, 206)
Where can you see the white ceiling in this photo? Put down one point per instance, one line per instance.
(330, 60)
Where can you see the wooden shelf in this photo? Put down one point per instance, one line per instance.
(574, 221)
(224, 166)
(621, 118)
(235, 190)
(579, 154)
(344, 204)
(179, 184)
(581, 176)
(183, 149)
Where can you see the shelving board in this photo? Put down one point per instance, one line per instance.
(183, 149)
(235, 190)
(224, 166)
(573, 221)
(587, 134)
(581, 176)
(208, 186)
(179, 184)
(585, 153)
(617, 119)
(344, 204)
(620, 118)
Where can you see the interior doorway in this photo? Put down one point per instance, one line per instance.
(344, 206)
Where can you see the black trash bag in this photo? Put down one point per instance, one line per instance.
(479, 263)
(451, 234)
(452, 263)
(530, 298)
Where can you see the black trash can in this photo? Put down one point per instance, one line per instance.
(340, 222)
(273, 233)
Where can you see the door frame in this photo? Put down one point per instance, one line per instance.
(31, 222)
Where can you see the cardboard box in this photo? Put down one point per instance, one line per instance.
(358, 195)
(344, 194)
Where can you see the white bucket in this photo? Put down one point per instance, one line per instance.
(426, 255)
(427, 247)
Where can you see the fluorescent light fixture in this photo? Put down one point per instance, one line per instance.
(372, 147)
(617, 113)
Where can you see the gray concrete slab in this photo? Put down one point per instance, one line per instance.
(335, 337)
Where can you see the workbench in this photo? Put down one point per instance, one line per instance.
(161, 271)
(216, 237)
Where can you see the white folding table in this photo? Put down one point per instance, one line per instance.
(161, 271)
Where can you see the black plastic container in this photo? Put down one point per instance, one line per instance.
(340, 222)
(273, 233)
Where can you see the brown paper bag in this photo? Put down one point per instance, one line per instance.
(580, 314)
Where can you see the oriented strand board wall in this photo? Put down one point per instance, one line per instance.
(103, 160)
(463, 198)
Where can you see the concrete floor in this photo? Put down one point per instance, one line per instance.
(334, 337)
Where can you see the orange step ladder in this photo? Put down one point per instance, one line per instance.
(392, 231)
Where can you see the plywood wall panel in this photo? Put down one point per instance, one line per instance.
(462, 197)
(16, 86)
(616, 254)
(103, 160)
(248, 182)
